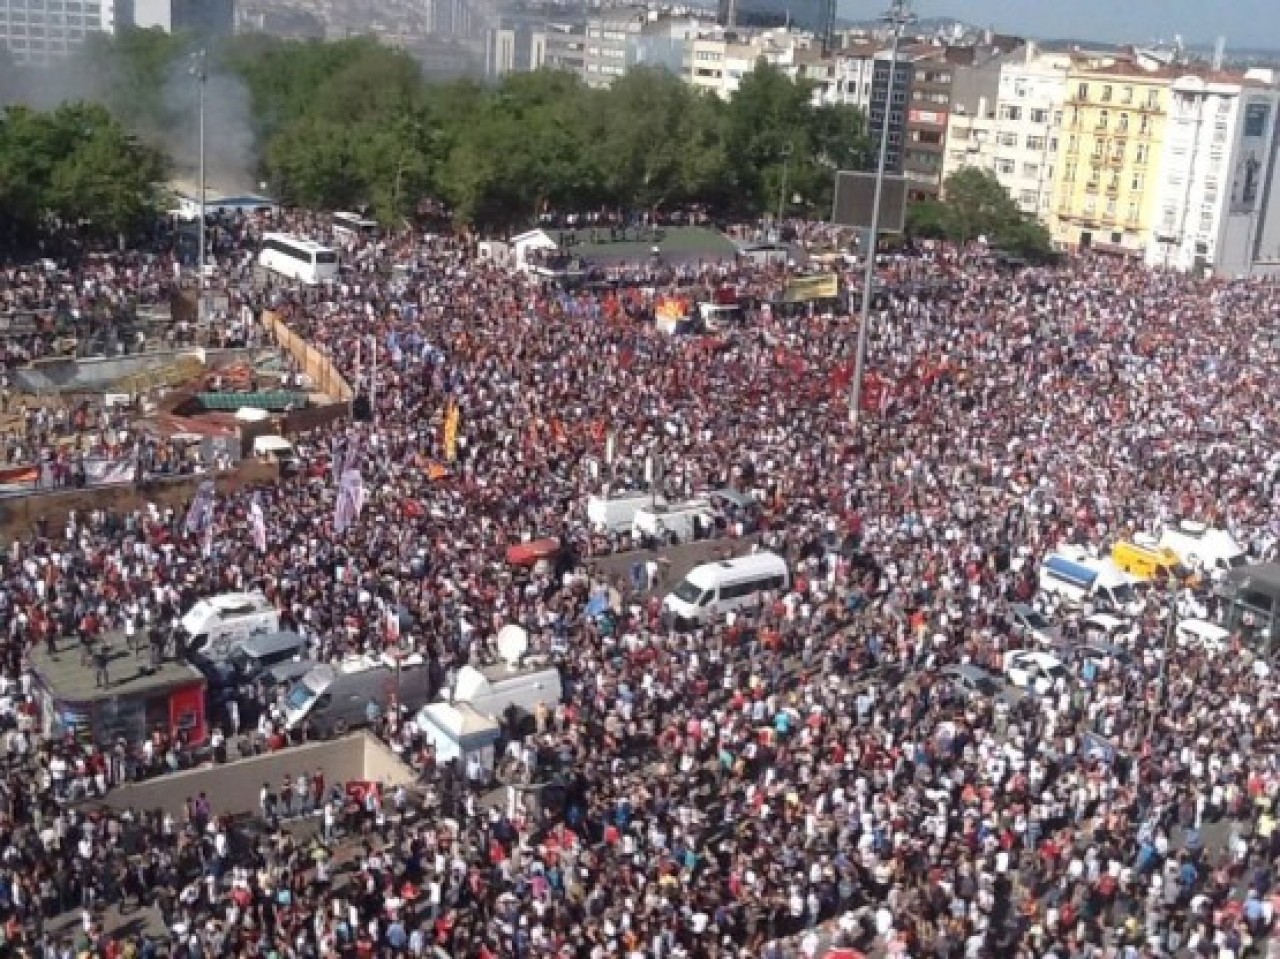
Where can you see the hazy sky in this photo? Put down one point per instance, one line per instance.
(1245, 23)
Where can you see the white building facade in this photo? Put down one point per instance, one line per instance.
(1217, 161)
(41, 31)
(1016, 136)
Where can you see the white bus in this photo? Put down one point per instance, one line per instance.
(353, 224)
(297, 258)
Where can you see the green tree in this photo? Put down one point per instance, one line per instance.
(928, 220)
(976, 205)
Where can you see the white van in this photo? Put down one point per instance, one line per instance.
(214, 625)
(714, 588)
(675, 522)
(1076, 580)
(1203, 548)
(1198, 634)
(616, 512)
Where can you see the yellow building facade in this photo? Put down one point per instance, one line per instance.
(1106, 180)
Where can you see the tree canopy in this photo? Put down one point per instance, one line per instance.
(72, 167)
(356, 124)
(975, 204)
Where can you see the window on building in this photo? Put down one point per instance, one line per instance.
(1030, 169)
(1082, 91)
(1126, 94)
(1153, 99)
(1124, 123)
(1255, 119)
(1027, 199)
(1136, 183)
(1106, 93)
(1007, 139)
(1111, 208)
(1090, 205)
(1039, 116)
(1009, 112)
(1099, 145)
(1140, 154)
(1004, 167)
(1104, 119)
(1114, 185)
(1035, 143)
(1069, 172)
(1053, 144)
(1132, 215)
(1117, 151)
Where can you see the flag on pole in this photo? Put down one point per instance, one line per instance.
(200, 514)
(258, 521)
(452, 420)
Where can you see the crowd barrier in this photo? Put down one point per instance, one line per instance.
(324, 374)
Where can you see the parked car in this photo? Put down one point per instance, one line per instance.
(1034, 671)
(1032, 626)
(974, 680)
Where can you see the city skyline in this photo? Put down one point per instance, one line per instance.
(1246, 24)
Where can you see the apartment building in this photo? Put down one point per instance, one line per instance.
(1218, 157)
(1013, 134)
(43, 31)
(849, 80)
(718, 60)
(562, 45)
(1110, 146)
(890, 90)
(609, 35)
(944, 78)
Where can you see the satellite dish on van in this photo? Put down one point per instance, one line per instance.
(513, 643)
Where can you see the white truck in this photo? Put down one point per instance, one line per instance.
(673, 523)
(1201, 547)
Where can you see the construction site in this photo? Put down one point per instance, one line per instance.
(206, 409)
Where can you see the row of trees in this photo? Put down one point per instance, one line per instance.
(355, 124)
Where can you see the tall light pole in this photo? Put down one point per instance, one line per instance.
(782, 194)
(201, 75)
(898, 17)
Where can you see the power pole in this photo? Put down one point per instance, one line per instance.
(198, 70)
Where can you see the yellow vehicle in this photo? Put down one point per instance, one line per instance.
(1148, 563)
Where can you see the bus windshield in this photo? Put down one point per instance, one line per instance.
(327, 257)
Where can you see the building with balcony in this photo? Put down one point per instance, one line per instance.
(1110, 147)
(1014, 134)
(1218, 159)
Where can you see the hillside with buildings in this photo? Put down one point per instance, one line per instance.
(1151, 153)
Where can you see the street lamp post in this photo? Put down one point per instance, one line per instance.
(200, 73)
(782, 194)
(898, 17)
(1169, 628)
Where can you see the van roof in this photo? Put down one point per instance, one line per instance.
(742, 566)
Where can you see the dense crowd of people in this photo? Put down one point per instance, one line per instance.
(785, 777)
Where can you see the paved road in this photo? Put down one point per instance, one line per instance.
(674, 561)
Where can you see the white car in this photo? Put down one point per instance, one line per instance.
(1196, 633)
(1034, 671)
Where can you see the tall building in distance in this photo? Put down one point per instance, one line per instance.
(891, 96)
(206, 17)
(808, 15)
(43, 31)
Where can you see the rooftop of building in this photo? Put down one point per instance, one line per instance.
(67, 678)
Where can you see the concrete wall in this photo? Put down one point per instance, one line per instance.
(233, 789)
(18, 514)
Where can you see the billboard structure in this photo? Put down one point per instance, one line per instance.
(855, 195)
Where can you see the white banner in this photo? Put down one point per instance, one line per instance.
(104, 472)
